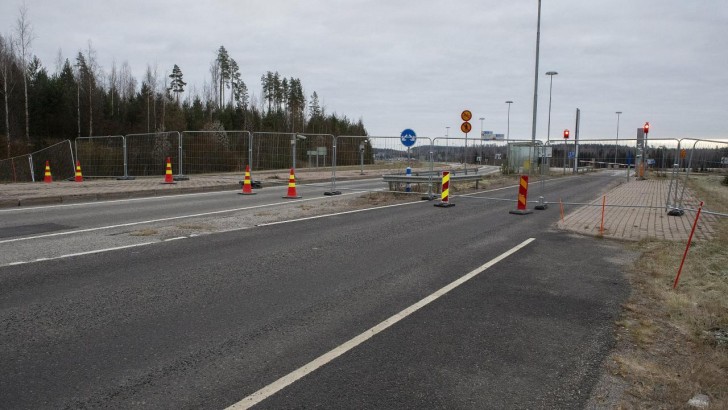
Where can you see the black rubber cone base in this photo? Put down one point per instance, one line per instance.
(444, 205)
(676, 212)
(541, 207)
(331, 193)
(520, 212)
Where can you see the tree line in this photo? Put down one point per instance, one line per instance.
(79, 98)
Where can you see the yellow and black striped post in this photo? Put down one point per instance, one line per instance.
(445, 196)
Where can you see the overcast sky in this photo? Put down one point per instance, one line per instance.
(418, 64)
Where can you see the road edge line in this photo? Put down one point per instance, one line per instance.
(329, 356)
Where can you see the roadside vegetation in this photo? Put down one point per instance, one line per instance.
(673, 344)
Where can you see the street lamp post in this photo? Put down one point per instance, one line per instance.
(481, 138)
(447, 140)
(551, 84)
(535, 82)
(508, 132)
(616, 144)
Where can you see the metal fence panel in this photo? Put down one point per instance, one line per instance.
(101, 156)
(215, 151)
(60, 157)
(16, 169)
(280, 150)
(382, 154)
(147, 153)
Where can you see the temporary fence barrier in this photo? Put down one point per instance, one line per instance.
(281, 150)
(215, 151)
(17, 169)
(61, 160)
(381, 155)
(146, 153)
(102, 156)
(698, 156)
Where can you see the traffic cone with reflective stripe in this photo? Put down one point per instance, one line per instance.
(48, 178)
(79, 176)
(292, 187)
(168, 178)
(247, 186)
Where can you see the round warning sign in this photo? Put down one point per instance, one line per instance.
(466, 115)
(466, 127)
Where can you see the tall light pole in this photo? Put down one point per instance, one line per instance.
(616, 144)
(551, 84)
(447, 140)
(535, 82)
(508, 132)
(481, 138)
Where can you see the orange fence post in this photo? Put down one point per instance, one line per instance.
(601, 227)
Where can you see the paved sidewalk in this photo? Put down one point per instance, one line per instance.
(644, 217)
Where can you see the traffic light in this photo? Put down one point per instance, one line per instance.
(646, 128)
(566, 134)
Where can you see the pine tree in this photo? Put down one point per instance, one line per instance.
(223, 65)
(177, 84)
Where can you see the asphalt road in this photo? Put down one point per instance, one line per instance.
(206, 321)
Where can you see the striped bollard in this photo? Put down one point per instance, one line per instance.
(445, 197)
(522, 196)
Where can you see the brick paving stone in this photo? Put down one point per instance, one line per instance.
(636, 210)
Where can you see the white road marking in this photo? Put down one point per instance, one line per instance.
(310, 367)
(196, 235)
(71, 255)
(164, 197)
(172, 218)
(335, 214)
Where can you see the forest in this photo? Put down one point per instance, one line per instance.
(79, 98)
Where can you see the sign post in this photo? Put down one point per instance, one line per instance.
(408, 138)
(466, 116)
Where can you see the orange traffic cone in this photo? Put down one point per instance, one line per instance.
(168, 179)
(247, 186)
(48, 178)
(79, 176)
(292, 187)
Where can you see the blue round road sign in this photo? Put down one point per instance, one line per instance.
(408, 137)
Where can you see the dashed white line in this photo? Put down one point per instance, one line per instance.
(310, 367)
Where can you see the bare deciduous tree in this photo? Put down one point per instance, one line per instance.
(24, 38)
(7, 58)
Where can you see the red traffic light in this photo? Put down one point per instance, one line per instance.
(566, 134)
(646, 128)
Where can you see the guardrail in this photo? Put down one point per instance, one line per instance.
(394, 181)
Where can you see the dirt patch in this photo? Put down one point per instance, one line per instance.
(671, 343)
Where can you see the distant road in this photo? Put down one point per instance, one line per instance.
(207, 321)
